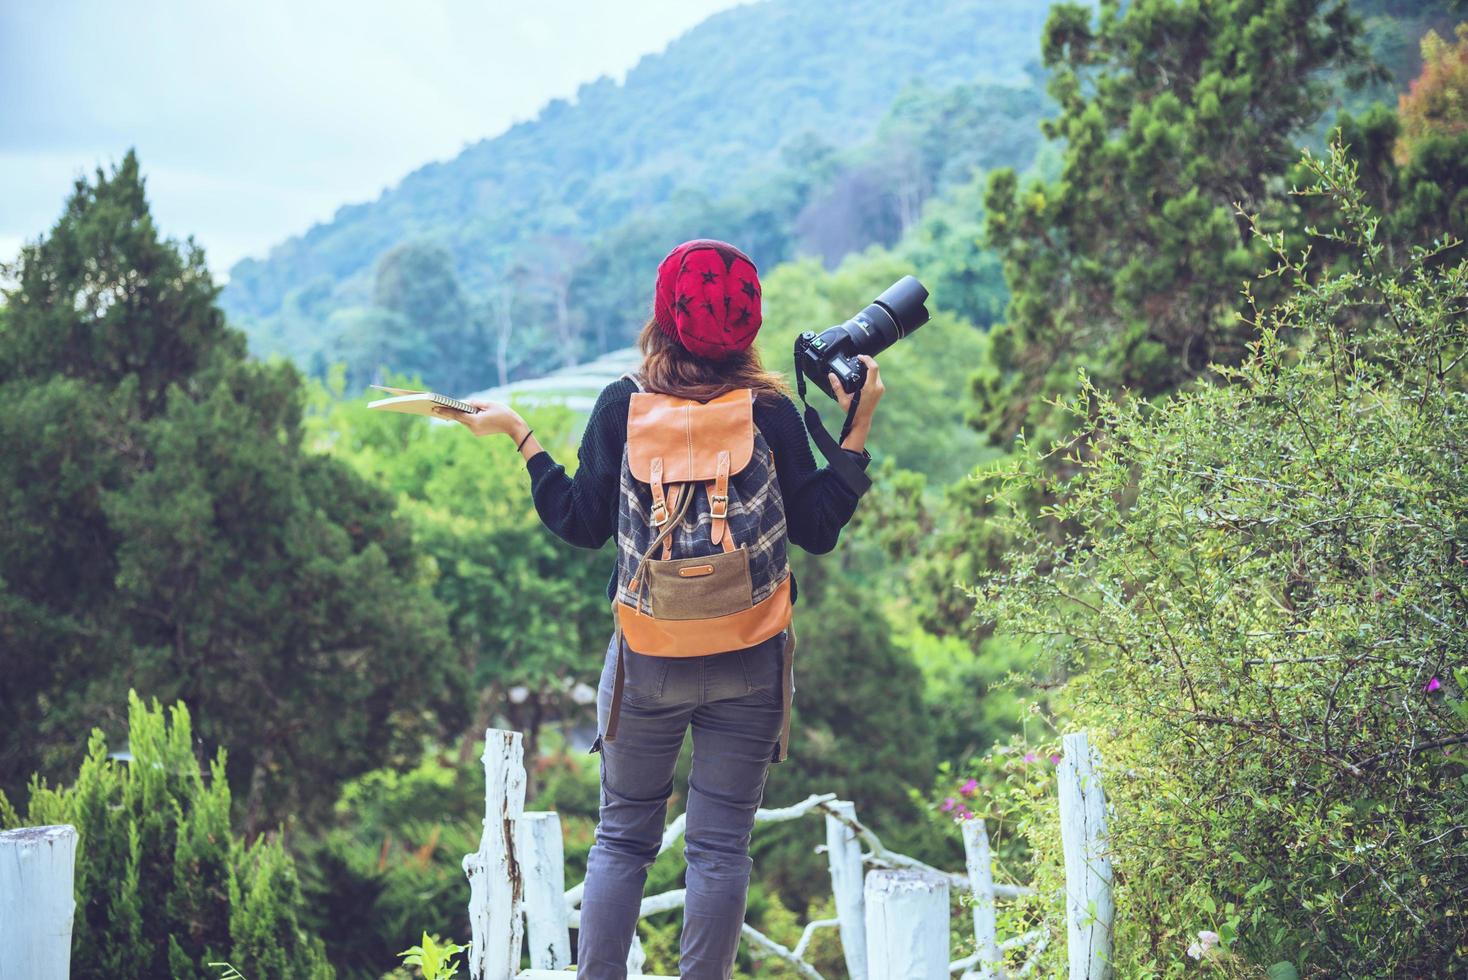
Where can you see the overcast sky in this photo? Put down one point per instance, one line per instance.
(254, 120)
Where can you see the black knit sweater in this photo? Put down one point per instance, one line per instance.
(582, 509)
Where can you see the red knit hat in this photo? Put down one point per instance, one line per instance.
(707, 298)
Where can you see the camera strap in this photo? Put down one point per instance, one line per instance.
(851, 474)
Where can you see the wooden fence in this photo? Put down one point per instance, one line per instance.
(892, 911)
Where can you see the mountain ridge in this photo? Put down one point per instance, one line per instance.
(743, 83)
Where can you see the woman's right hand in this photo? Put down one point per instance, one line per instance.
(488, 418)
(871, 390)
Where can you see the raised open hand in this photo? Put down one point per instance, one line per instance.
(490, 418)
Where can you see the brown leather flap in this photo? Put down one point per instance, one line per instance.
(688, 435)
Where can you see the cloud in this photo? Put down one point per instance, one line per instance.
(252, 121)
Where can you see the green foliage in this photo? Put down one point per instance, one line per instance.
(963, 275)
(420, 322)
(434, 959)
(1011, 786)
(1422, 194)
(103, 299)
(967, 690)
(1128, 263)
(1264, 583)
(163, 888)
(390, 859)
(1437, 104)
(166, 530)
(494, 568)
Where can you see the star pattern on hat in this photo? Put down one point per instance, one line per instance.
(692, 281)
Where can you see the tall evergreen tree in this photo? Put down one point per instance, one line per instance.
(166, 530)
(103, 299)
(1129, 264)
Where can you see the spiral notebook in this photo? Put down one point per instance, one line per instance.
(417, 402)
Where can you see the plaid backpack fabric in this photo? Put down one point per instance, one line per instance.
(702, 564)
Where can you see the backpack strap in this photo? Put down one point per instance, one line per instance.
(610, 733)
(634, 377)
(659, 514)
(718, 494)
(672, 507)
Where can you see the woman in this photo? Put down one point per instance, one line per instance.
(699, 344)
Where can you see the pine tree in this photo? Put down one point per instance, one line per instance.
(1129, 264)
(163, 888)
(105, 300)
(167, 529)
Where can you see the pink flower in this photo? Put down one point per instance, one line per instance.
(967, 789)
(963, 813)
(1432, 685)
(948, 804)
(1030, 757)
(1054, 759)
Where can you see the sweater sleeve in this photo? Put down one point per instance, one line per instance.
(582, 510)
(818, 503)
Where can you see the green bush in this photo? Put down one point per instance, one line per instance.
(390, 863)
(162, 886)
(1263, 589)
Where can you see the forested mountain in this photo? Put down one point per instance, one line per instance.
(1177, 462)
(786, 125)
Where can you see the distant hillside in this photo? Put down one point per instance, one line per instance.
(575, 387)
(761, 123)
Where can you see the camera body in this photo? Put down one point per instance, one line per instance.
(897, 312)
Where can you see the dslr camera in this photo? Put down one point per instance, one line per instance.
(891, 316)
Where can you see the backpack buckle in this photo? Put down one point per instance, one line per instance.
(659, 514)
(719, 489)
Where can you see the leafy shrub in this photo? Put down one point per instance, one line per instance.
(163, 888)
(1263, 587)
(391, 860)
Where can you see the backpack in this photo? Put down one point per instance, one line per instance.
(702, 563)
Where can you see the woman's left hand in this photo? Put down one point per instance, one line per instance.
(490, 417)
(871, 391)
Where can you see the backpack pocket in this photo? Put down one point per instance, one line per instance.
(702, 587)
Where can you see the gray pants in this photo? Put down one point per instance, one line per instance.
(734, 702)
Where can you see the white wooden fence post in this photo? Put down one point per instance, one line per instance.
(981, 877)
(37, 902)
(843, 854)
(907, 925)
(542, 862)
(496, 884)
(636, 957)
(1088, 901)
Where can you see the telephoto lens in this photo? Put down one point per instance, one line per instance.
(897, 312)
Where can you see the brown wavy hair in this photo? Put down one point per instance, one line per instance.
(668, 367)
